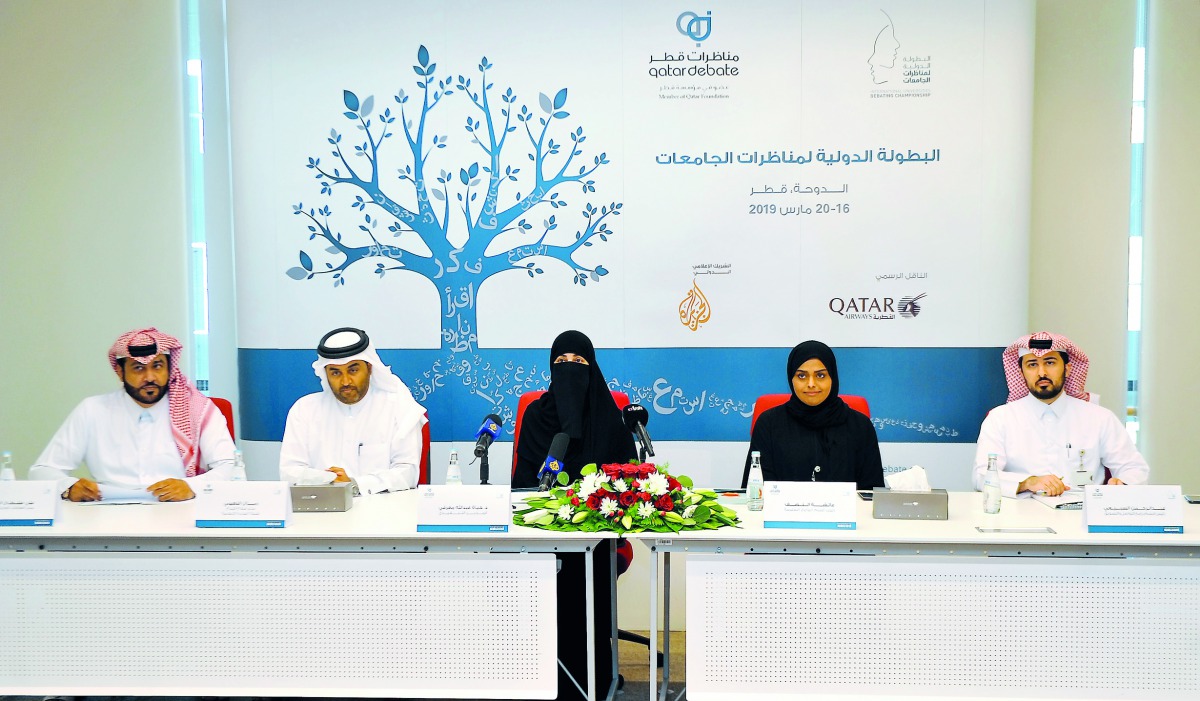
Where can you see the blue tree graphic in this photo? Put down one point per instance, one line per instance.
(424, 204)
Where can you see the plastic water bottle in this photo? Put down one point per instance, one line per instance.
(239, 467)
(453, 471)
(754, 485)
(991, 487)
(6, 469)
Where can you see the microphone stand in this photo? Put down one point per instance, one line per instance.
(642, 452)
(483, 468)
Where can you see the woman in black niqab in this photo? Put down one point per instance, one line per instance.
(795, 437)
(579, 404)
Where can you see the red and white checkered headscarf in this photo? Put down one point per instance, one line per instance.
(1011, 359)
(188, 407)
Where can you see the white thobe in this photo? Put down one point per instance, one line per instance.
(377, 441)
(1070, 438)
(126, 445)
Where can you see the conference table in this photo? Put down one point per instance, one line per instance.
(117, 600)
(1024, 604)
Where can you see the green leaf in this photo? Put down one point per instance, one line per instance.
(579, 517)
(563, 478)
(671, 517)
(545, 520)
(701, 514)
(689, 521)
(627, 521)
(684, 480)
(587, 469)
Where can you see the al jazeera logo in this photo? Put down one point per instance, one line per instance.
(694, 310)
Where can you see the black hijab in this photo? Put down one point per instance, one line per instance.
(831, 412)
(794, 438)
(579, 404)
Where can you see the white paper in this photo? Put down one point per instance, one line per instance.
(464, 508)
(818, 505)
(1143, 508)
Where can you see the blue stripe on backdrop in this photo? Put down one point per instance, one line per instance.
(917, 395)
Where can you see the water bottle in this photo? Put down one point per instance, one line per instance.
(754, 485)
(991, 487)
(6, 470)
(453, 472)
(239, 467)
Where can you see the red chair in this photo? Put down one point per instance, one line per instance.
(768, 401)
(619, 398)
(226, 408)
(423, 468)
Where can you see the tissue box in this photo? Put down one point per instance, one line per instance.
(338, 496)
(919, 506)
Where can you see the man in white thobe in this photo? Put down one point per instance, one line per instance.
(1049, 438)
(130, 439)
(363, 427)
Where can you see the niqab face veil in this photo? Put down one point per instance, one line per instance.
(578, 403)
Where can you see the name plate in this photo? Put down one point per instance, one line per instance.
(1133, 508)
(831, 505)
(454, 508)
(221, 504)
(28, 502)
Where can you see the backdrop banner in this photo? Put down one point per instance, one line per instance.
(696, 187)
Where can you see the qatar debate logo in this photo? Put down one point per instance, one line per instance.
(877, 308)
(695, 27)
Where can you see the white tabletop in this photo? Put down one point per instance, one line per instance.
(1015, 519)
(378, 516)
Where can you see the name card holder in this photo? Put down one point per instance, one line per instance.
(484, 508)
(1133, 508)
(810, 505)
(28, 502)
(241, 504)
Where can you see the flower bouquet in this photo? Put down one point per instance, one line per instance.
(628, 498)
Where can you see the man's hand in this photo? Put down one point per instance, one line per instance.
(1051, 485)
(341, 474)
(83, 490)
(171, 490)
(1114, 480)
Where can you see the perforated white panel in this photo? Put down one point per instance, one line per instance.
(324, 625)
(964, 627)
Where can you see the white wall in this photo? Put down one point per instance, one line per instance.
(1079, 235)
(92, 202)
(1171, 336)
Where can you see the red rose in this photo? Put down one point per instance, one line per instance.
(602, 493)
(673, 484)
(645, 471)
(664, 503)
(593, 502)
(613, 470)
(629, 470)
(627, 499)
(635, 485)
(574, 501)
(645, 496)
(570, 492)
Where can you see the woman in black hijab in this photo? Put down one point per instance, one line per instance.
(578, 404)
(815, 435)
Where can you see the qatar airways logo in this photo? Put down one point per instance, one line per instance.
(877, 308)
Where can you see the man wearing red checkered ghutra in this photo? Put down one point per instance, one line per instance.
(132, 440)
(1052, 438)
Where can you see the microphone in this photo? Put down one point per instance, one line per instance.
(548, 475)
(636, 417)
(487, 433)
